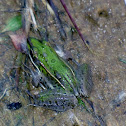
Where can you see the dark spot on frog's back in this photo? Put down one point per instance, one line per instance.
(41, 55)
(42, 45)
(53, 60)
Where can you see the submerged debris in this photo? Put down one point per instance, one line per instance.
(120, 98)
(103, 13)
(122, 60)
(14, 105)
(19, 41)
(91, 19)
(125, 2)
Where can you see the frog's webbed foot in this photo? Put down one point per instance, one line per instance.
(56, 99)
(36, 75)
(84, 77)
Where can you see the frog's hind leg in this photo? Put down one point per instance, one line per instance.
(56, 99)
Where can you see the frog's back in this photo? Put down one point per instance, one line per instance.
(47, 55)
(53, 63)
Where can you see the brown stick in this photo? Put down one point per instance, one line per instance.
(75, 25)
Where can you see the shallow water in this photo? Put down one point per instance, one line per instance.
(103, 24)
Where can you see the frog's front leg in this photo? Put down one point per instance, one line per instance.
(38, 78)
(36, 75)
(85, 83)
(56, 99)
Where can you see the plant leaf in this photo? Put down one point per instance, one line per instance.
(19, 41)
(13, 24)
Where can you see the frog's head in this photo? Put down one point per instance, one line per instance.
(85, 80)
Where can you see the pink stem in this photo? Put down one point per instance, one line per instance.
(72, 20)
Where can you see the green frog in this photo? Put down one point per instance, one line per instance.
(64, 85)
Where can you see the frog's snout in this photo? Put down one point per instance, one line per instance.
(83, 91)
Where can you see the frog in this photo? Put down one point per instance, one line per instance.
(64, 85)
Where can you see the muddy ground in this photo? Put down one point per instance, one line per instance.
(103, 24)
